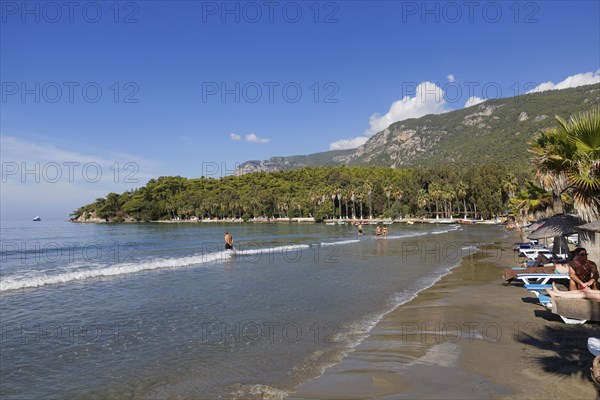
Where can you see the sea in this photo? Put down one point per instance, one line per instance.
(161, 310)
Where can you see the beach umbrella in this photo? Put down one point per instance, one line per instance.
(557, 225)
(534, 225)
(593, 226)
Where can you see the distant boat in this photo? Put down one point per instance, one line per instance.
(388, 222)
(409, 223)
(341, 222)
(37, 219)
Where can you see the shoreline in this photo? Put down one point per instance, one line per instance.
(343, 221)
(467, 336)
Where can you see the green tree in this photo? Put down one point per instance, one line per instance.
(567, 159)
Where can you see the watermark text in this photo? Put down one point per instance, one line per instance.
(69, 92)
(453, 12)
(53, 12)
(68, 171)
(253, 12)
(269, 92)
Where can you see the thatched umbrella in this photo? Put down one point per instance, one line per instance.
(534, 225)
(558, 226)
(593, 226)
(590, 239)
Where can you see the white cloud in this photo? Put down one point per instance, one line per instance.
(345, 144)
(586, 78)
(428, 99)
(255, 139)
(473, 100)
(52, 182)
(251, 137)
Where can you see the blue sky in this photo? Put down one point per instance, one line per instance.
(135, 90)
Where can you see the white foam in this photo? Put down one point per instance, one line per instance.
(80, 273)
(264, 250)
(42, 279)
(349, 241)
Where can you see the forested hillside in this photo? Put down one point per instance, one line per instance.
(322, 192)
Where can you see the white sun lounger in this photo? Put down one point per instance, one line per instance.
(541, 279)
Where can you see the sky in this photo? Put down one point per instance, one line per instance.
(100, 97)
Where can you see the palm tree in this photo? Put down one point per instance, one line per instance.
(398, 195)
(435, 193)
(549, 149)
(510, 185)
(422, 198)
(333, 196)
(461, 194)
(368, 189)
(531, 201)
(388, 193)
(568, 159)
(583, 170)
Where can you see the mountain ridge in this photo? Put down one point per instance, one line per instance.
(496, 130)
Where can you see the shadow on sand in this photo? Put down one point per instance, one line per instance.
(569, 344)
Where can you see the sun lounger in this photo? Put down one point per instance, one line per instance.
(537, 286)
(545, 300)
(541, 278)
(509, 274)
(576, 311)
(537, 289)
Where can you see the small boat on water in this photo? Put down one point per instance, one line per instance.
(387, 222)
(37, 218)
(341, 222)
(410, 223)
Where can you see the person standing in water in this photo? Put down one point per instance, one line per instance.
(360, 229)
(228, 241)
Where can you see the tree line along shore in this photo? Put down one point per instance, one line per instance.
(564, 177)
(321, 193)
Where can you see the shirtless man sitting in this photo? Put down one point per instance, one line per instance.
(583, 272)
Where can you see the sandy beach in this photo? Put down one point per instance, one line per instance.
(468, 337)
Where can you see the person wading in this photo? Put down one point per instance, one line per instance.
(228, 241)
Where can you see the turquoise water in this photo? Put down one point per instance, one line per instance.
(161, 310)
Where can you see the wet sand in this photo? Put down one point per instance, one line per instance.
(467, 337)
